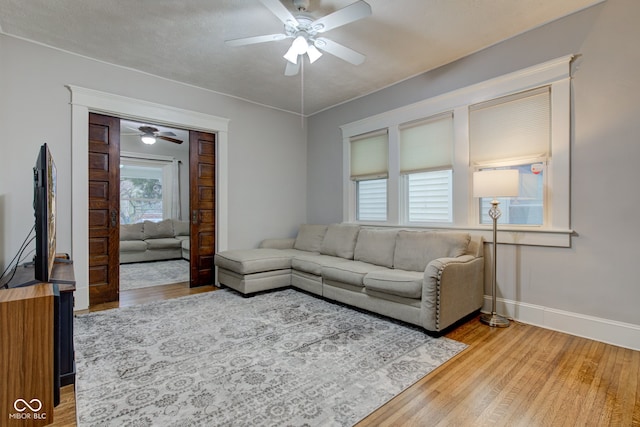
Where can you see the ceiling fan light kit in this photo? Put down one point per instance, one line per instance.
(151, 134)
(148, 139)
(305, 31)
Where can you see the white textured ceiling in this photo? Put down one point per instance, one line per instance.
(184, 40)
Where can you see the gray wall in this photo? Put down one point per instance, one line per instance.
(597, 276)
(266, 148)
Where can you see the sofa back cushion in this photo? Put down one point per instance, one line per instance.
(310, 237)
(131, 232)
(376, 246)
(158, 230)
(181, 228)
(340, 240)
(415, 249)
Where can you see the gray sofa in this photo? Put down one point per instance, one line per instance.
(427, 278)
(154, 241)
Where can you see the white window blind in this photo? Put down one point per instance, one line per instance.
(429, 196)
(516, 126)
(370, 156)
(427, 144)
(372, 200)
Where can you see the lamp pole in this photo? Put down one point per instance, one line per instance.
(494, 319)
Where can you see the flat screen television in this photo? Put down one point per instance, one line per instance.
(44, 205)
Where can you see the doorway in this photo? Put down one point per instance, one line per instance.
(84, 101)
(157, 231)
(154, 191)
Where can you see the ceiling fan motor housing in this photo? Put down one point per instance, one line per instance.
(301, 5)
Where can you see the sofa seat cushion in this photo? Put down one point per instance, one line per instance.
(133, 246)
(185, 243)
(165, 243)
(248, 261)
(352, 272)
(313, 263)
(402, 283)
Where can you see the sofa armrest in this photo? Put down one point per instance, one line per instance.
(455, 287)
(277, 243)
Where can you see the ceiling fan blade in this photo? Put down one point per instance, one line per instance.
(167, 138)
(342, 52)
(165, 134)
(280, 11)
(340, 17)
(292, 69)
(257, 39)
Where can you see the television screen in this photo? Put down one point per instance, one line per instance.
(44, 204)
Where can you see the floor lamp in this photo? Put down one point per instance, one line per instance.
(495, 183)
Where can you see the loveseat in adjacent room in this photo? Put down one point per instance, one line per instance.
(154, 241)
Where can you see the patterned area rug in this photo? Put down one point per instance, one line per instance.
(281, 358)
(145, 274)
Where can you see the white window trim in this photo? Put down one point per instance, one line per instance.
(555, 73)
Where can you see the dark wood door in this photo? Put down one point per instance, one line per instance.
(104, 208)
(202, 177)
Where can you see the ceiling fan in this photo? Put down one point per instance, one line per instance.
(150, 134)
(306, 33)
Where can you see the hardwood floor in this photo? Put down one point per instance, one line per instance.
(518, 376)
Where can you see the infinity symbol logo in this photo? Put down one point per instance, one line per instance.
(21, 405)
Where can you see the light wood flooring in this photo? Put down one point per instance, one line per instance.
(517, 376)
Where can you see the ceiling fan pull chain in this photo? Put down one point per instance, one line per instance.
(302, 91)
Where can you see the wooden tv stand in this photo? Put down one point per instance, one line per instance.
(30, 307)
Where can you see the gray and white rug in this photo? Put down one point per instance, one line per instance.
(212, 359)
(145, 274)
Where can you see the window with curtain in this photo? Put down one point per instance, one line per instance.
(146, 190)
(426, 164)
(369, 170)
(514, 132)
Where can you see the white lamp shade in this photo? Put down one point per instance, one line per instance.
(291, 55)
(496, 183)
(313, 53)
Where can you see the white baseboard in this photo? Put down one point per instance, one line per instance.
(608, 331)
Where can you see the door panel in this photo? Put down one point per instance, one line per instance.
(202, 176)
(104, 206)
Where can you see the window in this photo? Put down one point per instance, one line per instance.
(429, 196)
(504, 131)
(527, 208)
(521, 120)
(140, 194)
(372, 200)
(146, 188)
(369, 171)
(426, 149)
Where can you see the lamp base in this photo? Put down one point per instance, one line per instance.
(494, 320)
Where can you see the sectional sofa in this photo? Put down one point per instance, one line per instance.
(154, 241)
(427, 278)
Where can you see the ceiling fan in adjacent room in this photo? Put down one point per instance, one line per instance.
(306, 33)
(150, 134)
